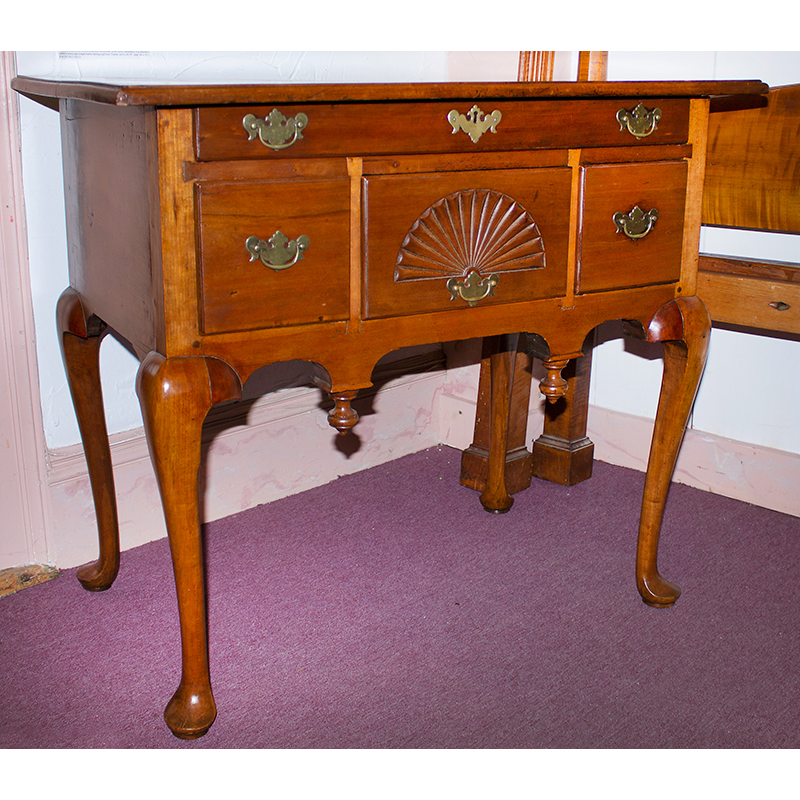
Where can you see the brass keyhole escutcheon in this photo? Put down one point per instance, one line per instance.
(474, 123)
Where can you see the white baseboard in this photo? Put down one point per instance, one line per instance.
(282, 444)
(254, 453)
(750, 473)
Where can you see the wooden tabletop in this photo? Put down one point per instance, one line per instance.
(121, 94)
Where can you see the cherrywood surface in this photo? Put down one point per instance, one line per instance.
(536, 65)
(563, 453)
(243, 294)
(495, 497)
(175, 396)
(592, 65)
(192, 367)
(109, 217)
(475, 459)
(80, 337)
(395, 203)
(387, 128)
(655, 258)
(683, 327)
(248, 94)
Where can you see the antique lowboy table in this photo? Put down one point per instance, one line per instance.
(221, 228)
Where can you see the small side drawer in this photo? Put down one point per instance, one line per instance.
(609, 258)
(240, 292)
(356, 129)
(427, 234)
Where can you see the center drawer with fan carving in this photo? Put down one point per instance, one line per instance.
(435, 242)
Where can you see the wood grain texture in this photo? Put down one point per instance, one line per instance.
(242, 293)
(177, 247)
(395, 205)
(245, 94)
(536, 65)
(564, 453)
(80, 337)
(759, 299)
(109, 215)
(496, 498)
(475, 459)
(592, 65)
(608, 257)
(175, 396)
(14, 579)
(388, 128)
(683, 327)
(752, 179)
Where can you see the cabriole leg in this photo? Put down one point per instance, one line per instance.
(683, 326)
(80, 336)
(175, 396)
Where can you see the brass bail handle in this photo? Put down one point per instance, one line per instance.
(636, 224)
(473, 289)
(278, 252)
(275, 131)
(640, 122)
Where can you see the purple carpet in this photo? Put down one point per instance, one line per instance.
(388, 610)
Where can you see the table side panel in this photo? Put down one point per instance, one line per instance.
(112, 229)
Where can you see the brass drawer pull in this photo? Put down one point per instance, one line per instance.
(275, 131)
(640, 122)
(473, 289)
(474, 123)
(277, 252)
(636, 224)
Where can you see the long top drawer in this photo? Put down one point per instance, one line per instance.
(309, 130)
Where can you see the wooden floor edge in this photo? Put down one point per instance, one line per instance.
(16, 578)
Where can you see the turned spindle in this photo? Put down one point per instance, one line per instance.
(553, 386)
(343, 417)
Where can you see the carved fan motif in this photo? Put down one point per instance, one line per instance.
(475, 230)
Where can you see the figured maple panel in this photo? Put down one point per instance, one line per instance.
(424, 230)
(609, 259)
(243, 294)
(752, 180)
